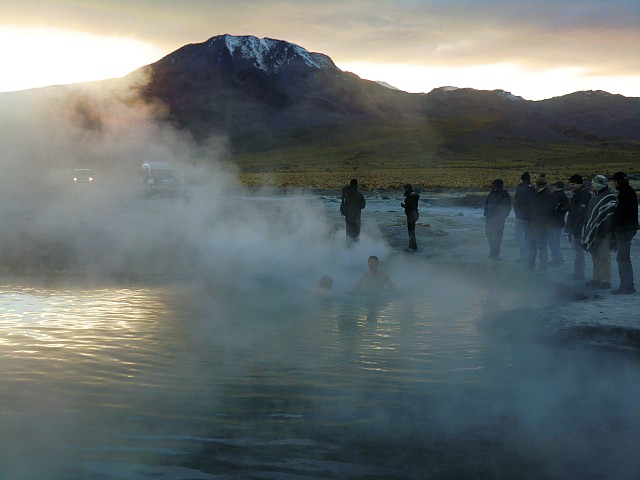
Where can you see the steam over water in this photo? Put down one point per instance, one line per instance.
(204, 379)
(177, 338)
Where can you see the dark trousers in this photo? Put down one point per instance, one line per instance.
(412, 218)
(578, 258)
(623, 258)
(555, 235)
(353, 228)
(538, 247)
(493, 229)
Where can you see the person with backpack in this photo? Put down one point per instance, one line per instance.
(410, 205)
(351, 209)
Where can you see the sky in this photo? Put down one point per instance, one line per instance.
(534, 49)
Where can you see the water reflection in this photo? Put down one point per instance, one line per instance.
(218, 381)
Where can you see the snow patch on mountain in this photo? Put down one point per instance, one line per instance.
(508, 95)
(270, 55)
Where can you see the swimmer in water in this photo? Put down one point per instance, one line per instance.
(374, 281)
(323, 289)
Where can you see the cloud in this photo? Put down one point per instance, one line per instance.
(596, 37)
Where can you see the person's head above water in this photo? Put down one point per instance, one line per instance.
(373, 263)
(326, 282)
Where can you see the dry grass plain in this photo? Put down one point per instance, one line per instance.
(433, 156)
(445, 177)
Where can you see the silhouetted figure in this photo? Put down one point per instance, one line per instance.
(351, 207)
(598, 230)
(540, 223)
(560, 209)
(410, 205)
(625, 227)
(522, 201)
(496, 210)
(575, 221)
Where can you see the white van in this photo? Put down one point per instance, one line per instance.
(159, 179)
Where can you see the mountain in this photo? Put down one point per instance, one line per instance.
(269, 94)
(285, 109)
(247, 85)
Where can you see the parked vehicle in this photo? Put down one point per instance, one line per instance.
(159, 180)
(82, 175)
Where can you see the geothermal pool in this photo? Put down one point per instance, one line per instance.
(240, 373)
(162, 382)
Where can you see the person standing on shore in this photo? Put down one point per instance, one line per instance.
(575, 221)
(522, 200)
(541, 216)
(497, 207)
(410, 205)
(351, 208)
(597, 232)
(625, 227)
(560, 209)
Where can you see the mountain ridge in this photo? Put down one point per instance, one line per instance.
(286, 109)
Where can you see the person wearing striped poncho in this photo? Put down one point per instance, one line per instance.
(597, 232)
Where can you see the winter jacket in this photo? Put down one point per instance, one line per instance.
(410, 203)
(542, 210)
(560, 209)
(577, 212)
(523, 200)
(352, 203)
(497, 204)
(625, 216)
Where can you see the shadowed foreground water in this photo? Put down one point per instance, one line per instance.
(204, 383)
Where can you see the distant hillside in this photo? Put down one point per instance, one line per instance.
(270, 96)
(289, 111)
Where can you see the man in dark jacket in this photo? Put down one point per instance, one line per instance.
(410, 206)
(497, 207)
(351, 208)
(575, 221)
(560, 209)
(540, 222)
(598, 231)
(625, 226)
(522, 201)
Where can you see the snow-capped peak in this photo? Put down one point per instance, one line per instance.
(269, 54)
(508, 95)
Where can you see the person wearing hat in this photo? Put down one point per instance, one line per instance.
(575, 221)
(625, 227)
(497, 207)
(522, 201)
(410, 205)
(539, 225)
(560, 209)
(598, 230)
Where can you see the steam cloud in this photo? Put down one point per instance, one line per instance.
(215, 231)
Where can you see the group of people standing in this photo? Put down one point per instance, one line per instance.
(595, 222)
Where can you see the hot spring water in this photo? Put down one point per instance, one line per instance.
(222, 378)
